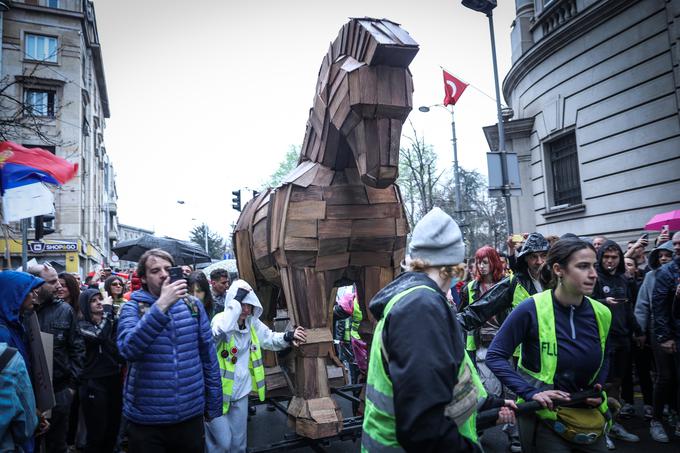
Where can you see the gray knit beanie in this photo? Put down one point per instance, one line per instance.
(437, 240)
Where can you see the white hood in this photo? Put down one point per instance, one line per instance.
(251, 298)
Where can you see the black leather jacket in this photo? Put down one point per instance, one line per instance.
(57, 318)
(496, 301)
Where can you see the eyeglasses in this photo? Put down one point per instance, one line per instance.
(116, 284)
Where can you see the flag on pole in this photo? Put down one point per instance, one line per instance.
(24, 174)
(453, 89)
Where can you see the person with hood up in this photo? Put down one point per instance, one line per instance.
(101, 394)
(643, 312)
(240, 337)
(18, 293)
(614, 290)
(422, 392)
(666, 322)
(18, 418)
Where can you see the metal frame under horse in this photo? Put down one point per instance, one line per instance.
(338, 217)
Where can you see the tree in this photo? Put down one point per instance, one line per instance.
(482, 219)
(288, 163)
(419, 178)
(28, 110)
(216, 244)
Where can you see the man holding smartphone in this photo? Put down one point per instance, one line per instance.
(173, 381)
(615, 290)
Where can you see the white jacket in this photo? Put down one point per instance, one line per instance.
(225, 325)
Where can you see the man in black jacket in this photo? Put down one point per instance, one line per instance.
(666, 323)
(615, 291)
(56, 317)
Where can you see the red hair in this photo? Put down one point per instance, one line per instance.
(495, 264)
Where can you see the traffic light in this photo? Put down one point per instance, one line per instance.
(43, 225)
(236, 201)
(255, 193)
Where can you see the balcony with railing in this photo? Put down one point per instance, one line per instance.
(68, 5)
(555, 14)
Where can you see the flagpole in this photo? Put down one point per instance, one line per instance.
(24, 245)
(456, 172)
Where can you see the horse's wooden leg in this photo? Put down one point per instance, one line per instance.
(371, 280)
(312, 410)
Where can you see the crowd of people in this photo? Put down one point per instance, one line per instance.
(141, 362)
(163, 358)
(569, 324)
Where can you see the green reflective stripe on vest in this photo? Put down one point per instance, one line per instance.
(470, 343)
(346, 333)
(379, 427)
(357, 317)
(227, 368)
(548, 342)
(520, 294)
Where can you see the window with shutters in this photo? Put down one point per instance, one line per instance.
(564, 178)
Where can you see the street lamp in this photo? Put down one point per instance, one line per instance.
(486, 7)
(205, 230)
(456, 172)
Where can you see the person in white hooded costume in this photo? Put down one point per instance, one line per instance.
(233, 331)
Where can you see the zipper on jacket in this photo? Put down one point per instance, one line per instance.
(571, 322)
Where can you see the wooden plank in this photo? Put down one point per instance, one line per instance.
(333, 246)
(334, 229)
(260, 246)
(378, 211)
(402, 227)
(300, 244)
(339, 195)
(371, 244)
(324, 176)
(319, 335)
(306, 178)
(325, 263)
(306, 194)
(383, 259)
(301, 259)
(306, 210)
(353, 176)
(289, 295)
(373, 228)
(376, 196)
(245, 262)
(302, 228)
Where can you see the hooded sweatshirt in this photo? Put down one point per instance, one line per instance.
(14, 287)
(616, 285)
(643, 309)
(225, 326)
(101, 353)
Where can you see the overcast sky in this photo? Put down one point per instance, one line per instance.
(207, 96)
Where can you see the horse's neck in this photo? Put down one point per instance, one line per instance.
(331, 151)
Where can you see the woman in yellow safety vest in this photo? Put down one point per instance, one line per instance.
(563, 337)
(240, 337)
(422, 392)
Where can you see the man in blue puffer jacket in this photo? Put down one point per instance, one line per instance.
(173, 379)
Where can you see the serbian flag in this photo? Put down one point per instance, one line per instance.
(453, 89)
(24, 173)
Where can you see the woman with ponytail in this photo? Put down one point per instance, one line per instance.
(563, 336)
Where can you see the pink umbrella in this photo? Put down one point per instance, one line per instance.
(670, 218)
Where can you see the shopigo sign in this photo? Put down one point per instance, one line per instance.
(61, 247)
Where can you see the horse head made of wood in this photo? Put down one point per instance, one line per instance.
(363, 96)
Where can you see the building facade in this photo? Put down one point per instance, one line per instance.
(51, 64)
(594, 90)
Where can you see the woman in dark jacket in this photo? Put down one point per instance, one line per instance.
(100, 389)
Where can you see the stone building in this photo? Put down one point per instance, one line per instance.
(52, 59)
(594, 90)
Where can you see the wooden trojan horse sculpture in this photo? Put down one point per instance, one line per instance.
(338, 217)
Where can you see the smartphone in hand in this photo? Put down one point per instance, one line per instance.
(176, 274)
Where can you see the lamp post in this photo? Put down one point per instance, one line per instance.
(205, 230)
(456, 172)
(486, 7)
